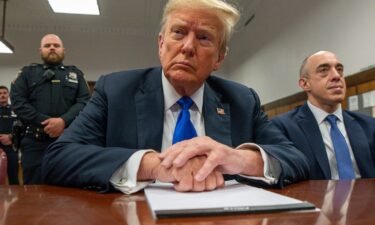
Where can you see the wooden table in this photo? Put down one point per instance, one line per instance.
(39, 205)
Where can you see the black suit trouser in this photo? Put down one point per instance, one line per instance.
(12, 158)
(33, 151)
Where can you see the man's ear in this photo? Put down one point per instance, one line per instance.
(160, 42)
(219, 61)
(304, 83)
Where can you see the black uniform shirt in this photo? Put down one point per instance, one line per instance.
(41, 92)
(7, 118)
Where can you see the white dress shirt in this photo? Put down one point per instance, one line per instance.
(125, 178)
(324, 127)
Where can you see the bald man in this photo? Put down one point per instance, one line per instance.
(46, 97)
(317, 135)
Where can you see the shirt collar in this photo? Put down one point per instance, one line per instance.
(320, 115)
(171, 96)
(58, 66)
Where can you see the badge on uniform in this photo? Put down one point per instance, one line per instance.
(220, 111)
(12, 114)
(72, 77)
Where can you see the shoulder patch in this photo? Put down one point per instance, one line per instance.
(18, 74)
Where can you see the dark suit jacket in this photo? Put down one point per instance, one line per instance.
(125, 114)
(300, 126)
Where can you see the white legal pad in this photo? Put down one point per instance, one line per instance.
(234, 198)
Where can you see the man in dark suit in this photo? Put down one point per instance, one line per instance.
(116, 141)
(321, 77)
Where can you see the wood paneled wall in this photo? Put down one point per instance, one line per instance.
(91, 85)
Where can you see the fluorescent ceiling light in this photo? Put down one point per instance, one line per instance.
(5, 47)
(88, 7)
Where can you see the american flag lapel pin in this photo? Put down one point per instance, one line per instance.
(220, 111)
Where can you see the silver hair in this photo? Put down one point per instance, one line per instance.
(227, 14)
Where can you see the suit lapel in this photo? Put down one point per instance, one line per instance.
(360, 148)
(216, 116)
(310, 128)
(149, 103)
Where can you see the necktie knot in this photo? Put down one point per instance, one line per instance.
(185, 102)
(332, 119)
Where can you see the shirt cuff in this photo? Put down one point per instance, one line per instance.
(125, 177)
(272, 168)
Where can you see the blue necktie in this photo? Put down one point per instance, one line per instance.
(344, 163)
(184, 128)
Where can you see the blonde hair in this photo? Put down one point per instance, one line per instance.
(226, 13)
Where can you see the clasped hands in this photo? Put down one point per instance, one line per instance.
(198, 164)
(54, 127)
(5, 139)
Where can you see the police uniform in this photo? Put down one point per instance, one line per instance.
(7, 117)
(41, 92)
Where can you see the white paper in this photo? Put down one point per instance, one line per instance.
(164, 197)
(353, 103)
(368, 99)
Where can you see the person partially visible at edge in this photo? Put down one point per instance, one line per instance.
(7, 118)
(46, 97)
(322, 78)
(133, 116)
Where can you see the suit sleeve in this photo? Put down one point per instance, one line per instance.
(277, 121)
(79, 157)
(293, 163)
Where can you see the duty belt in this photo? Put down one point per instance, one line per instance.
(37, 133)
